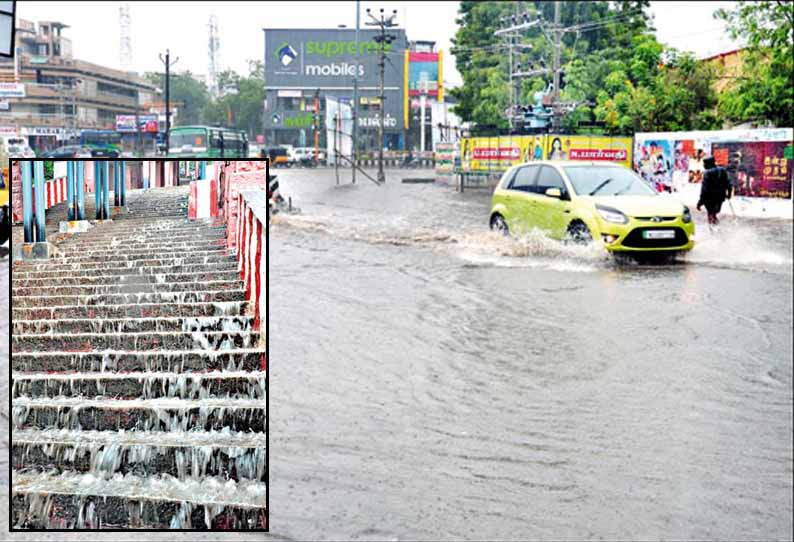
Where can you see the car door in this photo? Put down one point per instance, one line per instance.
(522, 199)
(553, 213)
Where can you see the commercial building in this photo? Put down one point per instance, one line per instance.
(49, 97)
(304, 67)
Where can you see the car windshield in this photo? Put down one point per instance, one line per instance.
(606, 181)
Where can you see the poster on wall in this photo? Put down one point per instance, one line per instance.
(500, 153)
(670, 164)
(756, 169)
(589, 148)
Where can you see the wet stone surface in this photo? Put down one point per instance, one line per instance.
(212, 340)
(138, 385)
(196, 361)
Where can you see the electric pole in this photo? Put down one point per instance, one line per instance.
(383, 40)
(555, 120)
(168, 64)
(355, 91)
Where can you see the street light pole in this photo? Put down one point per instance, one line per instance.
(168, 64)
(384, 39)
(355, 91)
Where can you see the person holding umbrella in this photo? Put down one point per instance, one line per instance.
(715, 189)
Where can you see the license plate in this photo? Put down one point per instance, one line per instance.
(658, 234)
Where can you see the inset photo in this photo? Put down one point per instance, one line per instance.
(138, 368)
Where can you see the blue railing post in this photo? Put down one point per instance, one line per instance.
(70, 190)
(80, 166)
(106, 192)
(202, 169)
(116, 190)
(146, 175)
(38, 178)
(27, 200)
(123, 183)
(98, 189)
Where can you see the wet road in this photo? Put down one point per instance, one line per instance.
(433, 381)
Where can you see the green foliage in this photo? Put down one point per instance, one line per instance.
(241, 103)
(616, 70)
(765, 92)
(186, 89)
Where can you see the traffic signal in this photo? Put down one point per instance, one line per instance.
(562, 79)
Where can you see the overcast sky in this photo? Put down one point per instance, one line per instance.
(182, 27)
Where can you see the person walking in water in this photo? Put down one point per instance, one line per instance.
(716, 188)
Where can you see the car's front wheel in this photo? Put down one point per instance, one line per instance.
(578, 233)
(499, 224)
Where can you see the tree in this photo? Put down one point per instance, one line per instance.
(767, 93)
(192, 94)
(658, 89)
(242, 100)
(588, 56)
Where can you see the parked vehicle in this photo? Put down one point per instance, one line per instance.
(278, 156)
(585, 202)
(20, 151)
(102, 143)
(71, 151)
(207, 142)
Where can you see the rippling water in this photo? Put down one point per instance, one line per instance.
(433, 380)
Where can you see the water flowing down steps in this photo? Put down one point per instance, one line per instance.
(138, 381)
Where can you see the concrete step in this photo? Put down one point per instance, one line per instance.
(162, 414)
(161, 278)
(110, 288)
(85, 342)
(131, 310)
(157, 244)
(122, 299)
(132, 325)
(68, 501)
(120, 255)
(183, 455)
(144, 385)
(121, 271)
(182, 361)
(143, 249)
(132, 264)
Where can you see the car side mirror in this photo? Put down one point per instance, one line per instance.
(554, 193)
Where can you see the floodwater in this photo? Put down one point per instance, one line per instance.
(431, 380)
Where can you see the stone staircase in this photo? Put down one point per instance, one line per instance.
(138, 385)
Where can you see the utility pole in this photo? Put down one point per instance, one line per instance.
(555, 120)
(317, 127)
(168, 64)
(383, 40)
(355, 90)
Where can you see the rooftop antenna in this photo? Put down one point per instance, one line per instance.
(125, 40)
(213, 52)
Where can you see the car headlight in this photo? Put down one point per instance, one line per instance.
(612, 215)
(687, 216)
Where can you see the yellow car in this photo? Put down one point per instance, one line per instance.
(586, 201)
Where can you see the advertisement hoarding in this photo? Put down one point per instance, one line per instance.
(327, 57)
(754, 158)
(147, 123)
(12, 90)
(498, 153)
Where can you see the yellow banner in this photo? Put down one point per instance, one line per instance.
(499, 153)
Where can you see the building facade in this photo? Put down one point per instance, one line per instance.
(49, 97)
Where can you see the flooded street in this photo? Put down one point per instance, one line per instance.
(433, 380)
